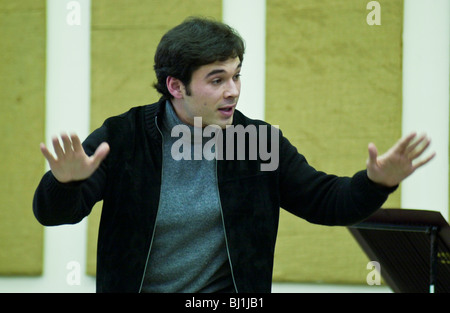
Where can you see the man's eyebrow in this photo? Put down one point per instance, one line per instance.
(220, 71)
(214, 72)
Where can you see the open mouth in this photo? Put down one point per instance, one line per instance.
(227, 111)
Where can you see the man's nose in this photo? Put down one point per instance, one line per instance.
(233, 89)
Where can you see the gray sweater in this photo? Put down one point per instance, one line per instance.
(188, 253)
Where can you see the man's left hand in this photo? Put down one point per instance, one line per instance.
(398, 162)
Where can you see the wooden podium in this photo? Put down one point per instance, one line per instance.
(411, 246)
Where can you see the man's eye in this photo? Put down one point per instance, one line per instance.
(237, 76)
(216, 81)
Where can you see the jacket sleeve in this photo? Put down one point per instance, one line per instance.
(56, 203)
(325, 199)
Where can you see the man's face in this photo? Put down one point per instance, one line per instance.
(214, 93)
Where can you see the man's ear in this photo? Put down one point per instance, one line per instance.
(175, 87)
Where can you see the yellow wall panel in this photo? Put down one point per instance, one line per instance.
(125, 35)
(22, 120)
(333, 85)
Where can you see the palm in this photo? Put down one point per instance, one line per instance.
(72, 163)
(398, 162)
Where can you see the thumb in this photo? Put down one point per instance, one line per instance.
(100, 154)
(373, 154)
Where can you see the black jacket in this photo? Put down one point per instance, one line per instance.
(129, 179)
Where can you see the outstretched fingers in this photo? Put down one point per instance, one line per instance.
(67, 143)
(70, 162)
(412, 146)
(425, 161)
(76, 143)
(57, 147)
(47, 154)
(416, 149)
(404, 143)
(419, 147)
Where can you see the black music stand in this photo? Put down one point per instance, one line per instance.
(411, 246)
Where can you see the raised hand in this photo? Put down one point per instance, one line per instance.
(398, 162)
(71, 162)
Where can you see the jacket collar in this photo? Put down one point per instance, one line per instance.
(153, 114)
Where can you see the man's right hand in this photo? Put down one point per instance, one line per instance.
(72, 163)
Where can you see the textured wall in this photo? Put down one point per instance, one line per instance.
(22, 101)
(333, 85)
(124, 39)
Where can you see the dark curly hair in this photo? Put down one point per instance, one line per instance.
(192, 44)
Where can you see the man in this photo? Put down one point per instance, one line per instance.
(172, 224)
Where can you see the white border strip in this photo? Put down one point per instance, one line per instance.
(67, 110)
(249, 19)
(426, 41)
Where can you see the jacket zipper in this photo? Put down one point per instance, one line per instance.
(224, 230)
(156, 219)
